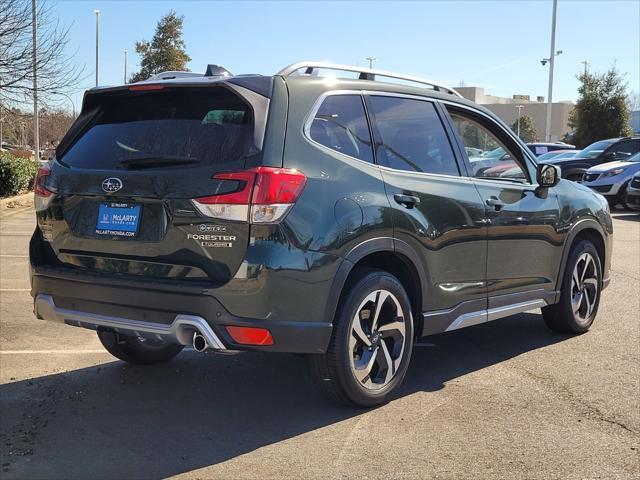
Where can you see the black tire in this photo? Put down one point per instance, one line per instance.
(336, 371)
(612, 201)
(562, 317)
(136, 351)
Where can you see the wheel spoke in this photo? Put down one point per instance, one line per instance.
(587, 262)
(359, 332)
(381, 298)
(391, 368)
(591, 281)
(363, 369)
(397, 325)
(589, 303)
(576, 304)
(576, 278)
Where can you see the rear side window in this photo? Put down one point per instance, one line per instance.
(625, 148)
(212, 126)
(341, 125)
(413, 137)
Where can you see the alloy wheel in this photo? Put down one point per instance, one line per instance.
(377, 341)
(584, 288)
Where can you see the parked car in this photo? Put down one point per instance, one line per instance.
(599, 152)
(632, 199)
(279, 214)
(557, 154)
(611, 179)
(492, 158)
(540, 148)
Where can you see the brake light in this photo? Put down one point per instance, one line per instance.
(262, 195)
(40, 189)
(144, 88)
(250, 335)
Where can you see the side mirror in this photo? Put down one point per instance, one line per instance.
(609, 156)
(547, 175)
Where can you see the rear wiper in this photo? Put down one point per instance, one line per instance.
(153, 161)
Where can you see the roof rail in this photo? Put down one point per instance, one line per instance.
(364, 74)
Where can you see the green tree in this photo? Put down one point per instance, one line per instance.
(528, 131)
(166, 51)
(602, 110)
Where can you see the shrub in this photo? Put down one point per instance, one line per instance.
(16, 174)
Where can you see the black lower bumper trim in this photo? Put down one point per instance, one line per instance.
(162, 306)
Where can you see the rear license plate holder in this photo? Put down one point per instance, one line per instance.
(118, 219)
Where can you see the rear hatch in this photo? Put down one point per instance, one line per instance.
(132, 181)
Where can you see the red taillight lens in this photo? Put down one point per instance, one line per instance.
(43, 172)
(250, 335)
(277, 185)
(263, 195)
(241, 196)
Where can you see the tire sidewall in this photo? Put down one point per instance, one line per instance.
(347, 311)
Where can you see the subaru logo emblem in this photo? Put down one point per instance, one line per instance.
(111, 185)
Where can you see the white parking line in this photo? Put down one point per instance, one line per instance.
(14, 256)
(49, 352)
(15, 289)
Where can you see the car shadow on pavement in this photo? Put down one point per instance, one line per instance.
(120, 421)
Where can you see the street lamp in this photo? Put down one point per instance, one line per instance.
(97, 12)
(73, 105)
(371, 60)
(586, 66)
(125, 65)
(551, 60)
(519, 107)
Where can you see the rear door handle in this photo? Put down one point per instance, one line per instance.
(408, 201)
(495, 202)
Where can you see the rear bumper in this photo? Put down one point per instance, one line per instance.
(160, 310)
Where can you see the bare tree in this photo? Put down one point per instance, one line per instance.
(57, 70)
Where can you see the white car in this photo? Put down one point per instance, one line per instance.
(611, 179)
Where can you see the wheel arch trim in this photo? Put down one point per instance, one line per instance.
(362, 250)
(580, 226)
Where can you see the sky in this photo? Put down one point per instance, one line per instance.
(497, 45)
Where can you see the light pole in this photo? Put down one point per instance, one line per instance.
(519, 107)
(371, 60)
(552, 54)
(36, 122)
(73, 105)
(125, 65)
(586, 66)
(97, 12)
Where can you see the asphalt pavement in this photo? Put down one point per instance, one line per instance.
(508, 399)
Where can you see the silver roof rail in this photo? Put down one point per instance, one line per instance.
(363, 74)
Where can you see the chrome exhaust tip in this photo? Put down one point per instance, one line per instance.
(199, 342)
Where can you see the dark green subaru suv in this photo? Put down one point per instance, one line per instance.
(335, 217)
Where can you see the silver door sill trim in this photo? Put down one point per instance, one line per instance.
(180, 331)
(482, 316)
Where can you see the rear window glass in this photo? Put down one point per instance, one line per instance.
(200, 127)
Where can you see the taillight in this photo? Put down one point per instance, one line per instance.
(43, 196)
(262, 195)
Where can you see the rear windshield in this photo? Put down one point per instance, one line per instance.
(213, 126)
